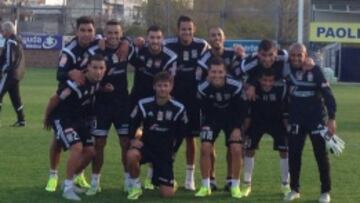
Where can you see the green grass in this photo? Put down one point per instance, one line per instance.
(24, 157)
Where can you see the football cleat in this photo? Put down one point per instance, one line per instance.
(203, 192)
(52, 184)
(134, 193)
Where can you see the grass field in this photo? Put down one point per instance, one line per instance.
(24, 157)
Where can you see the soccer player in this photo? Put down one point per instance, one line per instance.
(189, 49)
(222, 108)
(70, 114)
(267, 114)
(149, 60)
(73, 61)
(112, 103)
(232, 60)
(12, 69)
(163, 120)
(310, 93)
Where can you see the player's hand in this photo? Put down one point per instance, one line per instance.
(102, 43)
(136, 143)
(331, 125)
(138, 133)
(108, 87)
(308, 64)
(250, 93)
(239, 51)
(139, 42)
(77, 76)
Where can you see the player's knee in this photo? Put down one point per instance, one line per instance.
(132, 155)
(235, 149)
(167, 191)
(206, 149)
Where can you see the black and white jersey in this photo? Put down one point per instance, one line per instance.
(147, 65)
(77, 102)
(73, 56)
(222, 104)
(309, 93)
(116, 73)
(229, 56)
(269, 106)
(162, 124)
(12, 58)
(252, 68)
(186, 62)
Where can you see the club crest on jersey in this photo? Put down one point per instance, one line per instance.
(149, 63)
(186, 56)
(151, 114)
(299, 75)
(142, 58)
(115, 58)
(194, 54)
(157, 63)
(168, 115)
(310, 77)
(160, 116)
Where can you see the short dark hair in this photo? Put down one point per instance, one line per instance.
(163, 77)
(96, 57)
(153, 28)
(267, 72)
(183, 18)
(84, 20)
(113, 22)
(267, 45)
(217, 61)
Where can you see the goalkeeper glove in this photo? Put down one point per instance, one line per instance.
(334, 144)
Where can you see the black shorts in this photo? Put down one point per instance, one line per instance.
(163, 167)
(114, 113)
(209, 133)
(276, 130)
(69, 132)
(193, 112)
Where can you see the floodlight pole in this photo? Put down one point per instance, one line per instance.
(301, 21)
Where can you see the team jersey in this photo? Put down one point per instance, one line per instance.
(73, 56)
(77, 102)
(309, 94)
(269, 106)
(252, 68)
(225, 104)
(186, 62)
(116, 73)
(162, 124)
(229, 56)
(147, 65)
(12, 58)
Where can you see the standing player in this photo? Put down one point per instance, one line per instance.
(148, 61)
(189, 49)
(231, 60)
(223, 108)
(310, 93)
(73, 60)
(112, 103)
(12, 69)
(163, 120)
(70, 114)
(267, 114)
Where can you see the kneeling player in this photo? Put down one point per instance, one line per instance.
(70, 113)
(222, 108)
(267, 114)
(163, 120)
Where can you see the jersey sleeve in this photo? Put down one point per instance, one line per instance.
(64, 66)
(8, 62)
(326, 92)
(136, 118)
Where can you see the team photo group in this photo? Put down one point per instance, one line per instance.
(184, 89)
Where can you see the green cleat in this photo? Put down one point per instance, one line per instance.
(93, 190)
(285, 189)
(80, 180)
(203, 192)
(246, 190)
(148, 184)
(52, 184)
(236, 193)
(134, 193)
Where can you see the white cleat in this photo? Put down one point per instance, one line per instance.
(93, 190)
(292, 196)
(71, 195)
(190, 185)
(324, 198)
